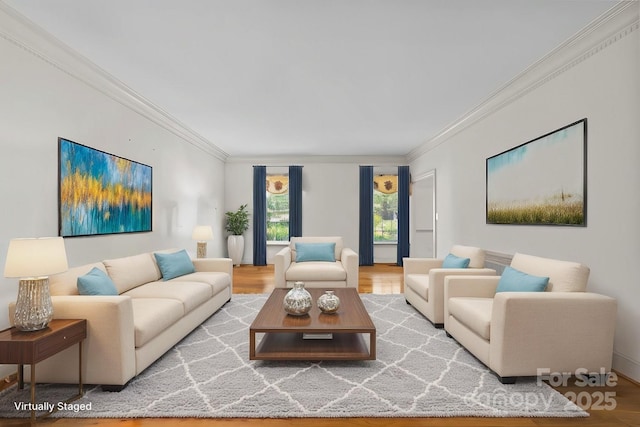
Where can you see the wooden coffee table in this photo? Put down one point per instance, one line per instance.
(336, 336)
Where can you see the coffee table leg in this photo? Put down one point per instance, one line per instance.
(252, 345)
(80, 391)
(372, 345)
(33, 391)
(20, 377)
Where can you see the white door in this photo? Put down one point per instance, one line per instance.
(422, 235)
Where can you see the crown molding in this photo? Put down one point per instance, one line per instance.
(619, 22)
(295, 160)
(21, 32)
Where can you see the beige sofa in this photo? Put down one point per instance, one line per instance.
(341, 272)
(560, 330)
(128, 332)
(424, 280)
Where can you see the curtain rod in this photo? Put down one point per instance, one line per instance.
(277, 166)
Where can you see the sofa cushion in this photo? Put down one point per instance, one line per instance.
(315, 252)
(190, 294)
(452, 261)
(320, 239)
(174, 265)
(474, 313)
(151, 316)
(96, 282)
(132, 271)
(419, 283)
(217, 280)
(513, 280)
(313, 270)
(564, 276)
(66, 283)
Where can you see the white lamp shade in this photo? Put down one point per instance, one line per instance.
(202, 233)
(35, 257)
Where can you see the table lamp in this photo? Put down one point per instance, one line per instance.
(202, 233)
(33, 260)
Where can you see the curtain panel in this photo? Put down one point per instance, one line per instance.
(259, 215)
(365, 249)
(295, 201)
(404, 181)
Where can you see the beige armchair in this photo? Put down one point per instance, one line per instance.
(339, 271)
(560, 330)
(424, 280)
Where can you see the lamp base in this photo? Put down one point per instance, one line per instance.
(202, 249)
(34, 309)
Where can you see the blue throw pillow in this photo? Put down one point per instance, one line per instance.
(315, 252)
(513, 280)
(174, 265)
(452, 261)
(96, 282)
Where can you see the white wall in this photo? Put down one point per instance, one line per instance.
(38, 103)
(330, 189)
(600, 83)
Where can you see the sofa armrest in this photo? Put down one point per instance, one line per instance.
(470, 286)
(110, 340)
(558, 331)
(437, 278)
(350, 262)
(419, 266)
(222, 265)
(281, 261)
(467, 286)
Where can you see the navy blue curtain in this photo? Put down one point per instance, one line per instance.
(259, 215)
(365, 249)
(404, 179)
(295, 201)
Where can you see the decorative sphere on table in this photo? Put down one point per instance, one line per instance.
(297, 302)
(329, 302)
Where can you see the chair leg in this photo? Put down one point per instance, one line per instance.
(438, 325)
(506, 380)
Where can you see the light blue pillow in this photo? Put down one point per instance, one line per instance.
(452, 261)
(513, 280)
(315, 252)
(174, 265)
(96, 282)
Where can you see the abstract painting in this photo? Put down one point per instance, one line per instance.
(541, 182)
(100, 193)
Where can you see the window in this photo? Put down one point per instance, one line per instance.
(385, 209)
(277, 208)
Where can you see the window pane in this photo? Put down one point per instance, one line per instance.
(278, 217)
(385, 217)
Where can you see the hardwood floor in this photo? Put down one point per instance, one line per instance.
(383, 278)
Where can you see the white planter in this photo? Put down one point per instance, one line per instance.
(235, 246)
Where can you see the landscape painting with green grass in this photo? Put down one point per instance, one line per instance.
(541, 182)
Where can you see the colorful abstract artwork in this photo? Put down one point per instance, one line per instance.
(541, 182)
(100, 193)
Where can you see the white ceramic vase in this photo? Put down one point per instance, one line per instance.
(235, 246)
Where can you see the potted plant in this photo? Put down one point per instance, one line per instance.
(237, 224)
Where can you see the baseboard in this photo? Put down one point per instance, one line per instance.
(627, 367)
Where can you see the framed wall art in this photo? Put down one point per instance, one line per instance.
(540, 182)
(101, 193)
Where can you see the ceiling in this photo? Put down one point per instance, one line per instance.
(314, 77)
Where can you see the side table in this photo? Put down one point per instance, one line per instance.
(28, 348)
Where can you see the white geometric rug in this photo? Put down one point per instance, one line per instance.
(419, 372)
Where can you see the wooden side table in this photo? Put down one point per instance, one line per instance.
(28, 348)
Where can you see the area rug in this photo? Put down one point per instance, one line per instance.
(419, 372)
